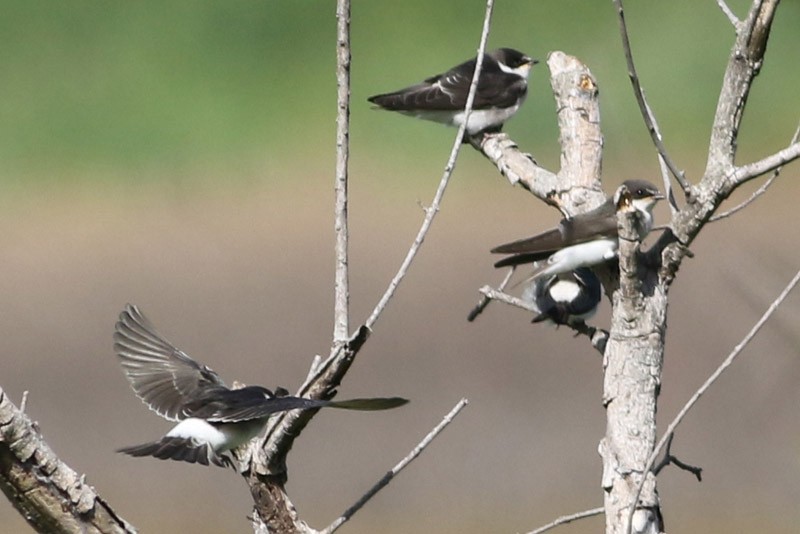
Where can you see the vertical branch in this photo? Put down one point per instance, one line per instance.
(341, 287)
(632, 363)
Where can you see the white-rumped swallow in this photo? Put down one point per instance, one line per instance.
(568, 298)
(502, 87)
(586, 239)
(212, 419)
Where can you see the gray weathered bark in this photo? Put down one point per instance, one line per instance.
(50, 495)
(634, 353)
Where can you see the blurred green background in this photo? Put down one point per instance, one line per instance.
(179, 155)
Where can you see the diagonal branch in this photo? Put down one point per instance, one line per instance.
(48, 493)
(744, 64)
(597, 336)
(709, 382)
(433, 209)
(770, 163)
(485, 299)
(730, 14)
(721, 176)
(758, 192)
(564, 519)
(647, 112)
(389, 476)
(576, 186)
(266, 470)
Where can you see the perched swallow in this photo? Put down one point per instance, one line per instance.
(586, 239)
(502, 87)
(213, 419)
(568, 298)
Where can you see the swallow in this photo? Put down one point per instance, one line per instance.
(502, 88)
(568, 299)
(212, 419)
(586, 239)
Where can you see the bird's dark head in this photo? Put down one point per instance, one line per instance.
(512, 60)
(638, 194)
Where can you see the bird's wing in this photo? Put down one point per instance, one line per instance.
(162, 376)
(578, 229)
(233, 406)
(448, 91)
(496, 88)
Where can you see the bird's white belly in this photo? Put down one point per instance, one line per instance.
(479, 119)
(220, 436)
(582, 255)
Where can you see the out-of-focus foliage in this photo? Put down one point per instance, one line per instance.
(92, 86)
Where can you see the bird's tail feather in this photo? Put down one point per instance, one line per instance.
(180, 449)
(377, 403)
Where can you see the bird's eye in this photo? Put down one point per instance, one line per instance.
(640, 192)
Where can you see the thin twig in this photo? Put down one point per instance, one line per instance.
(568, 519)
(707, 384)
(597, 336)
(485, 300)
(383, 482)
(24, 402)
(647, 113)
(431, 211)
(665, 179)
(341, 299)
(496, 294)
(761, 190)
(670, 458)
(758, 192)
(765, 165)
(728, 13)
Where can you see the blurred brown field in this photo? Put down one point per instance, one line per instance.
(241, 280)
(179, 156)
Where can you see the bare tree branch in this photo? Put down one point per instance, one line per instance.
(568, 519)
(576, 186)
(485, 300)
(517, 166)
(647, 113)
(433, 209)
(491, 293)
(721, 177)
(760, 191)
(266, 470)
(728, 13)
(670, 459)
(341, 313)
(383, 482)
(765, 165)
(47, 492)
(744, 64)
(711, 380)
(597, 336)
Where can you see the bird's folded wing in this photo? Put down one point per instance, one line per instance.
(581, 228)
(448, 91)
(160, 374)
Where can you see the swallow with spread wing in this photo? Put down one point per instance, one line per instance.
(212, 419)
